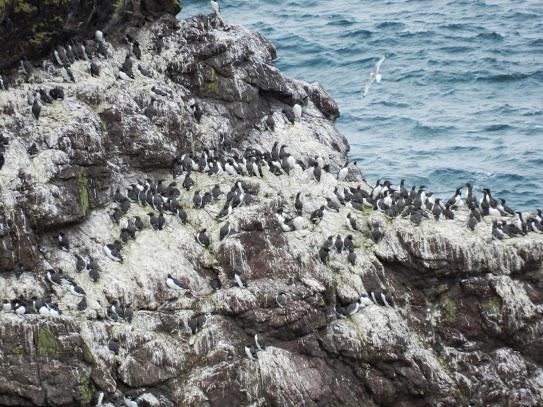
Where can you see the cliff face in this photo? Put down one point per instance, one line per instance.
(466, 323)
(30, 28)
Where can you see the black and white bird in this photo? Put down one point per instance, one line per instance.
(259, 342)
(350, 221)
(240, 281)
(297, 111)
(456, 200)
(342, 174)
(281, 299)
(351, 257)
(324, 253)
(251, 351)
(113, 251)
(76, 290)
(54, 277)
(225, 231)
(375, 75)
(62, 242)
(197, 322)
(202, 238)
(175, 284)
(317, 215)
(317, 172)
(338, 244)
(36, 108)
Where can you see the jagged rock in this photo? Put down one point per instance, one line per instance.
(37, 27)
(466, 322)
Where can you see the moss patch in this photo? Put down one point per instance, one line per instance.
(491, 306)
(55, 3)
(213, 83)
(449, 309)
(87, 354)
(84, 390)
(41, 38)
(48, 344)
(84, 203)
(24, 7)
(4, 4)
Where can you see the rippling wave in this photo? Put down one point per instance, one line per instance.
(462, 90)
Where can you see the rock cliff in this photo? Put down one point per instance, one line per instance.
(464, 323)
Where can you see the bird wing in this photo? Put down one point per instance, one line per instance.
(368, 85)
(378, 64)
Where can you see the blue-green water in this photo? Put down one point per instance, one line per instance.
(462, 92)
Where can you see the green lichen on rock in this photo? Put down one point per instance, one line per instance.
(449, 309)
(491, 306)
(84, 390)
(87, 354)
(213, 83)
(24, 7)
(48, 344)
(55, 3)
(41, 37)
(84, 203)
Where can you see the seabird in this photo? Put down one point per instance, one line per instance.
(339, 244)
(114, 346)
(136, 49)
(317, 215)
(504, 208)
(281, 299)
(375, 75)
(497, 233)
(376, 233)
(261, 346)
(250, 351)
(342, 174)
(197, 200)
(298, 204)
(99, 35)
(297, 111)
(351, 222)
(365, 301)
(153, 221)
(45, 97)
(241, 282)
(352, 256)
(54, 277)
(76, 290)
(216, 192)
(456, 199)
(94, 69)
(144, 71)
(324, 253)
(225, 231)
(379, 297)
(197, 322)
(69, 73)
(202, 238)
(175, 284)
(62, 242)
(36, 108)
(226, 211)
(188, 182)
(448, 213)
(113, 251)
(81, 263)
(317, 172)
(436, 209)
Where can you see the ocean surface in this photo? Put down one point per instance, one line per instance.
(461, 97)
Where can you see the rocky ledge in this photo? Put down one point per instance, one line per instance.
(264, 304)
